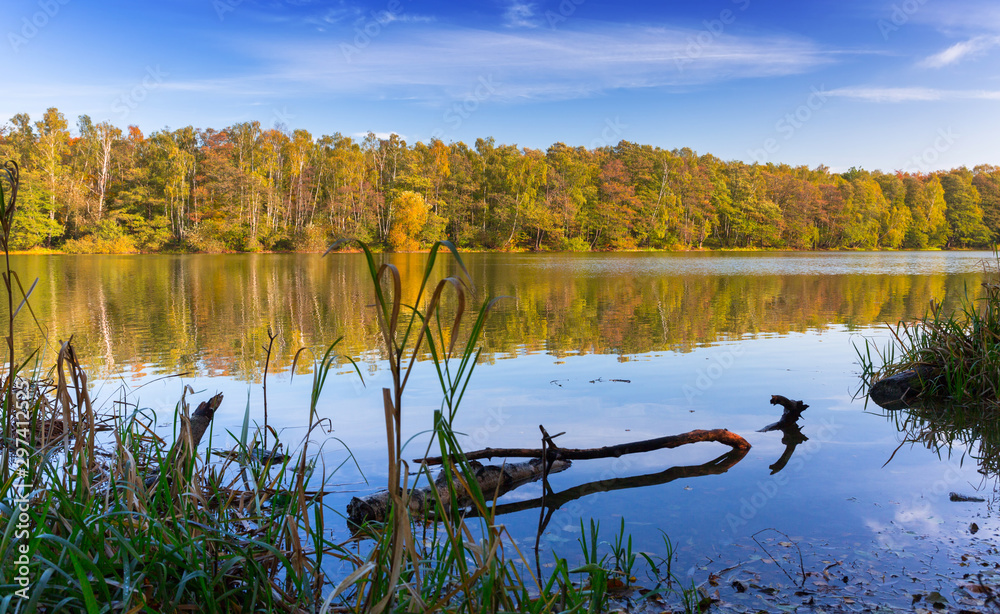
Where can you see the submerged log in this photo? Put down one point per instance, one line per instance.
(493, 481)
(954, 496)
(729, 438)
(894, 391)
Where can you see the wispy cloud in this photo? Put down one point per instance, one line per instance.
(345, 13)
(960, 16)
(974, 47)
(438, 62)
(520, 15)
(910, 94)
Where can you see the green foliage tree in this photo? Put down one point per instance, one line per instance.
(52, 147)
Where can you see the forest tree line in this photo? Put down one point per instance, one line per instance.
(246, 188)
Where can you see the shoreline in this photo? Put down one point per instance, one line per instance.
(724, 250)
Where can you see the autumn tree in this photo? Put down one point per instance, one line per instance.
(409, 216)
(864, 206)
(896, 217)
(612, 214)
(965, 217)
(797, 199)
(570, 184)
(986, 180)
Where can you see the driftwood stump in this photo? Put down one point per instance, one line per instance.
(196, 427)
(791, 414)
(789, 426)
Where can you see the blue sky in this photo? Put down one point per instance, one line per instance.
(904, 84)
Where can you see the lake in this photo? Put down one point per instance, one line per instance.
(609, 348)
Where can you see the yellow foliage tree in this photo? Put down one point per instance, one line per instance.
(409, 215)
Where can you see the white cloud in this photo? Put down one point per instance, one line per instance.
(910, 94)
(974, 47)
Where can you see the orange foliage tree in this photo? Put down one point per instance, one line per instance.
(409, 215)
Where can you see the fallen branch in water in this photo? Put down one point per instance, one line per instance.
(493, 481)
(660, 443)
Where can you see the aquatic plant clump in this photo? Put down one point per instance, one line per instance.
(953, 356)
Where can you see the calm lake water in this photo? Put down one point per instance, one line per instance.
(609, 348)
